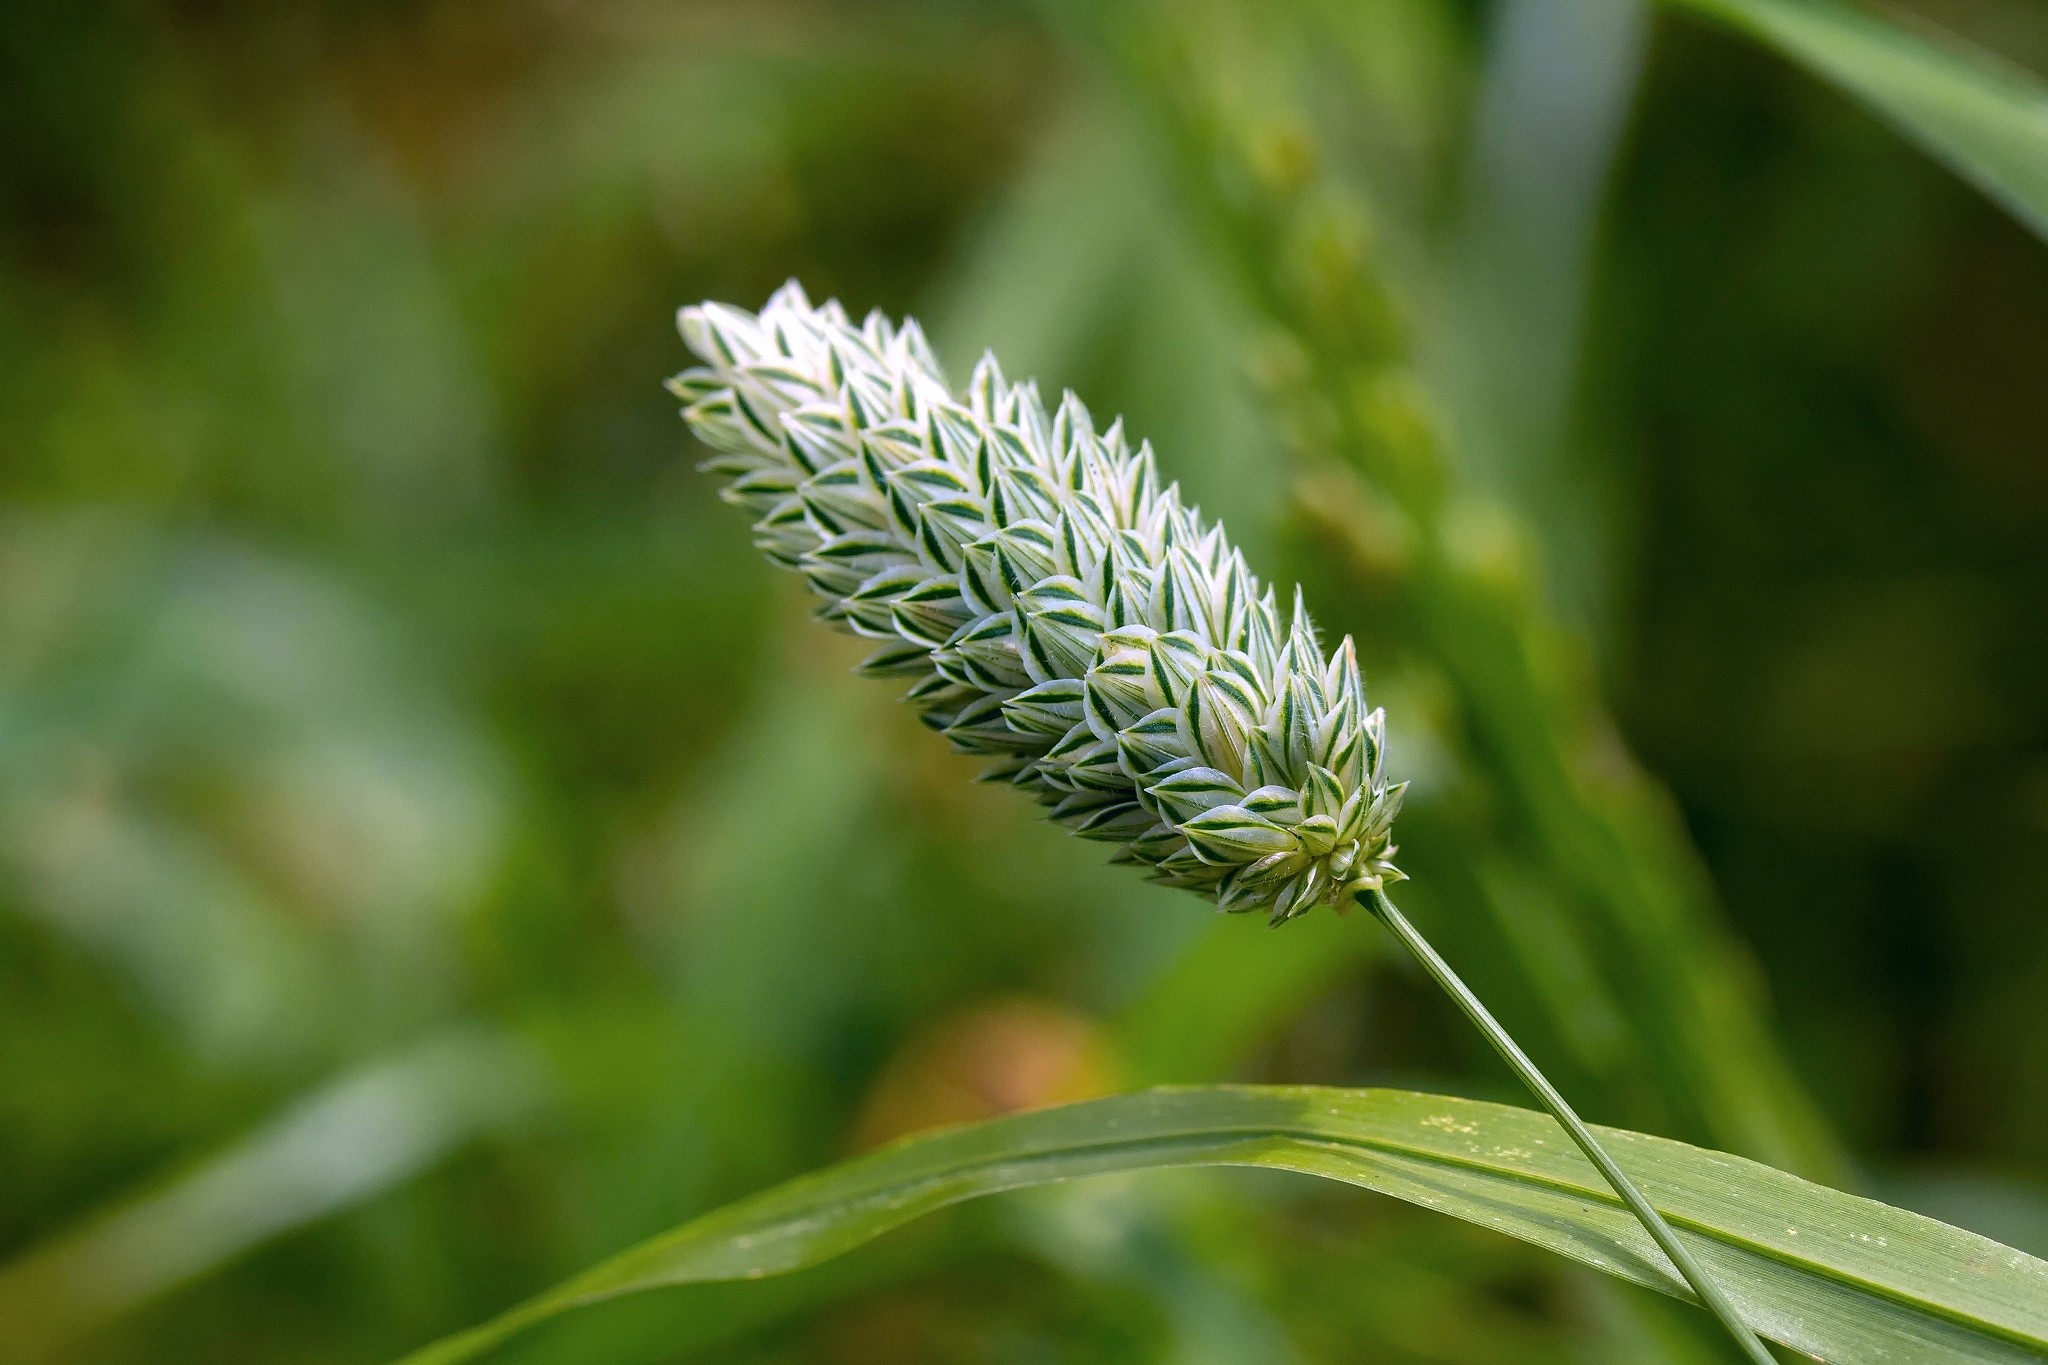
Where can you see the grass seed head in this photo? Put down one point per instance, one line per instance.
(1055, 609)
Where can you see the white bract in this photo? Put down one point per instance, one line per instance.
(1058, 609)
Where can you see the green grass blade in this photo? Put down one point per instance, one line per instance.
(1830, 1274)
(1984, 118)
(339, 1146)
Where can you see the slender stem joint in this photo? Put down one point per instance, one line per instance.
(1710, 1294)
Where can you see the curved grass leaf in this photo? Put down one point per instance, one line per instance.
(1984, 118)
(1830, 1274)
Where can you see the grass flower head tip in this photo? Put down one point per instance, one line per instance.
(1054, 607)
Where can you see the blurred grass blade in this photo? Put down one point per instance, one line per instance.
(1984, 118)
(1836, 1276)
(341, 1145)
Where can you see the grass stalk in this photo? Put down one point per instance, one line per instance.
(1703, 1284)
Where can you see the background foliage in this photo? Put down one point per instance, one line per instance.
(434, 853)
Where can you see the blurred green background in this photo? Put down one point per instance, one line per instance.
(435, 851)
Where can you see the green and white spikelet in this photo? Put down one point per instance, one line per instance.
(1058, 609)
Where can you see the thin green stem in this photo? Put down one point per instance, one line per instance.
(1709, 1293)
